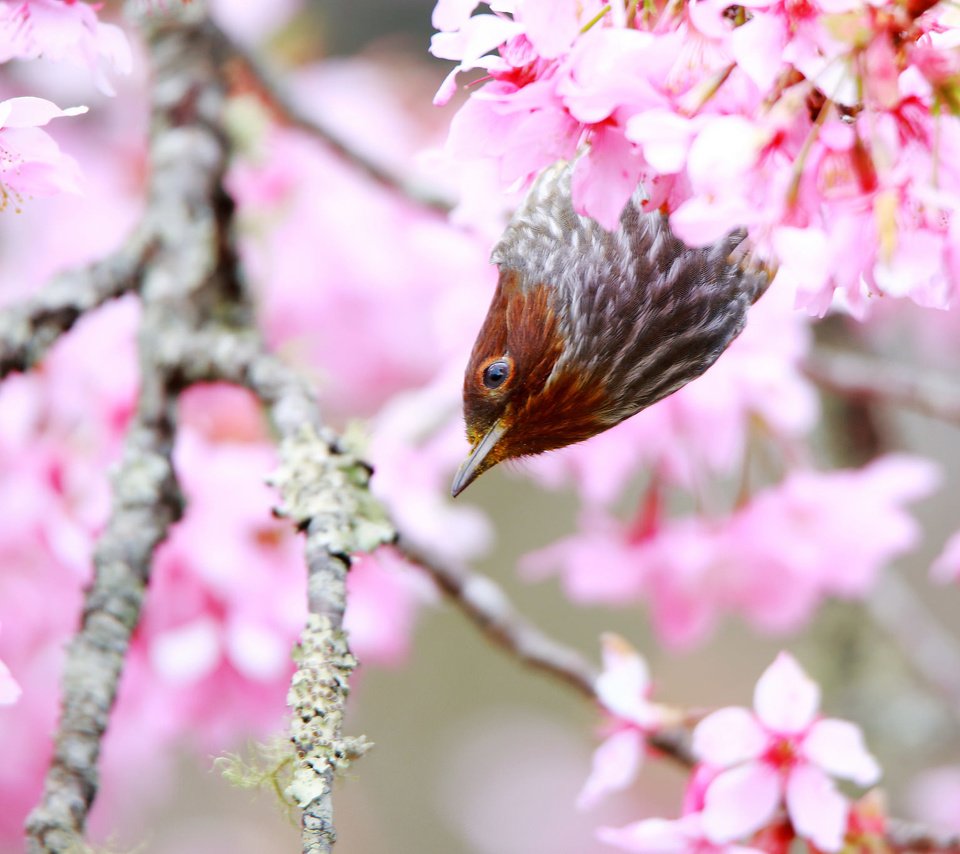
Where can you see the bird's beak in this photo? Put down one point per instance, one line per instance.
(479, 460)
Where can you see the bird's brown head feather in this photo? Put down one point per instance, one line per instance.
(536, 406)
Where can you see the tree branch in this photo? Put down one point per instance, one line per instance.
(28, 329)
(252, 73)
(486, 605)
(867, 378)
(923, 641)
(146, 502)
(907, 837)
(188, 214)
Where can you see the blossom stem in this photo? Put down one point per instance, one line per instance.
(596, 19)
(793, 189)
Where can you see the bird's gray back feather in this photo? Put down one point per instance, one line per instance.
(640, 310)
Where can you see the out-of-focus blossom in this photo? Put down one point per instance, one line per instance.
(773, 560)
(947, 565)
(31, 163)
(384, 596)
(684, 835)
(10, 690)
(782, 752)
(253, 23)
(934, 798)
(623, 689)
(66, 31)
(818, 124)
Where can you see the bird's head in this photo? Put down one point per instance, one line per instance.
(520, 396)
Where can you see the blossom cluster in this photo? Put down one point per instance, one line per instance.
(818, 125)
(773, 560)
(752, 764)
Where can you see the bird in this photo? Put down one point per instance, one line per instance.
(589, 326)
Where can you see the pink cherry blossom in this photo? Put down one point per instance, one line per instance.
(10, 690)
(782, 752)
(772, 560)
(934, 797)
(661, 836)
(821, 115)
(66, 31)
(946, 567)
(31, 163)
(622, 688)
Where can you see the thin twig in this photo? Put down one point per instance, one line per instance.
(487, 606)
(930, 648)
(907, 837)
(28, 329)
(860, 377)
(258, 77)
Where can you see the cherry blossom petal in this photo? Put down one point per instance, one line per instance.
(837, 747)
(723, 152)
(758, 48)
(605, 177)
(187, 653)
(786, 699)
(615, 765)
(625, 682)
(606, 70)
(28, 111)
(452, 14)
(817, 810)
(479, 35)
(10, 691)
(740, 801)
(664, 137)
(551, 27)
(729, 736)
(946, 567)
(32, 165)
(700, 221)
(651, 836)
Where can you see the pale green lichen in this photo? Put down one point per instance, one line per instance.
(267, 765)
(317, 694)
(327, 489)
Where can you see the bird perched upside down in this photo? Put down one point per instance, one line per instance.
(587, 327)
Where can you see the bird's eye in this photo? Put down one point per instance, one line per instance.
(496, 374)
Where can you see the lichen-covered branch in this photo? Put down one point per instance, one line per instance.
(323, 490)
(29, 328)
(187, 219)
(146, 502)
